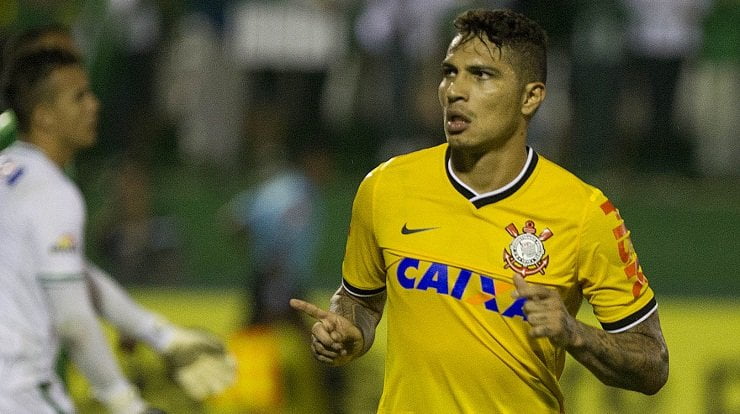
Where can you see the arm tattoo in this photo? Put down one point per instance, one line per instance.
(365, 313)
(636, 359)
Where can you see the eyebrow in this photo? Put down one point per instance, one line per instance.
(492, 70)
(447, 63)
(485, 68)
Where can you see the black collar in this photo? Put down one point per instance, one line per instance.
(480, 200)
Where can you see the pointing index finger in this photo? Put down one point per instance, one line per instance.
(308, 308)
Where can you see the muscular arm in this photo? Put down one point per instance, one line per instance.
(636, 359)
(364, 313)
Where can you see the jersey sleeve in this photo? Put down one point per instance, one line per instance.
(363, 272)
(57, 229)
(8, 127)
(609, 270)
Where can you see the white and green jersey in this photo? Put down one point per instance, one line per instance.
(41, 239)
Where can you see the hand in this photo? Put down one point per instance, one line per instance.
(546, 313)
(126, 400)
(334, 339)
(199, 363)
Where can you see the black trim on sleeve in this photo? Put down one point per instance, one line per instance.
(355, 291)
(631, 319)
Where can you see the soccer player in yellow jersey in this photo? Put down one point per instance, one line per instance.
(483, 251)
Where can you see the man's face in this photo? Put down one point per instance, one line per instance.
(73, 109)
(481, 96)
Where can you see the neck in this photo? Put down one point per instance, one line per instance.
(51, 147)
(489, 170)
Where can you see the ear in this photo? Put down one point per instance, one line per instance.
(42, 116)
(534, 94)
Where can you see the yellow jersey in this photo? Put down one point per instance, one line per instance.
(457, 340)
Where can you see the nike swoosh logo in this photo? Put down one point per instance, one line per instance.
(406, 230)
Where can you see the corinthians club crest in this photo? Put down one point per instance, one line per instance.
(527, 255)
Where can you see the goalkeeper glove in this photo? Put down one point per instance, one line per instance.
(199, 362)
(125, 399)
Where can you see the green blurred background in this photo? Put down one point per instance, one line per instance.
(181, 128)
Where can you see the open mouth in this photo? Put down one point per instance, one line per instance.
(456, 122)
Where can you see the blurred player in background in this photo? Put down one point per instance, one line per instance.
(51, 292)
(280, 218)
(484, 250)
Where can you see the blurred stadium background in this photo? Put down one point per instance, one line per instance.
(202, 97)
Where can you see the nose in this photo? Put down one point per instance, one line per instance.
(454, 90)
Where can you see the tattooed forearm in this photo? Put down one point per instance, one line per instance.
(364, 313)
(636, 359)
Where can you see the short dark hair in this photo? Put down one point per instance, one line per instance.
(515, 31)
(26, 40)
(24, 80)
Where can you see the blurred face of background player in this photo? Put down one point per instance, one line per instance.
(70, 114)
(485, 103)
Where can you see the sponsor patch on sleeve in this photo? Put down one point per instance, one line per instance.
(9, 171)
(66, 243)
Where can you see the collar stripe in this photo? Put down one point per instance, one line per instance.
(481, 200)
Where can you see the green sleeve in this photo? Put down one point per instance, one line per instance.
(7, 129)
